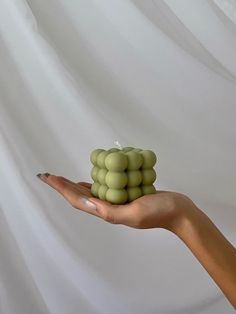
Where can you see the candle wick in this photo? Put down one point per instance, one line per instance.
(118, 144)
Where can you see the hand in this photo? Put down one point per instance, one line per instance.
(169, 210)
(160, 210)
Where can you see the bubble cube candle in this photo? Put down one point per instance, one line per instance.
(122, 175)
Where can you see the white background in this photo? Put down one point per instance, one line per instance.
(76, 75)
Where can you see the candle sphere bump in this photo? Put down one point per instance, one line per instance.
(149, 176)
(135, 160)
(102, 190)
(101, 175)
(94, 154)
(148, 189)
(117, 196)
(94, 173)
(116, 161)
(149, 159)
(101, 159)
(134, 178)
(113, 149)
(127, 149)
(134, 193)
(94, 188)
(122, 175)
(116, 180)
(137, 150)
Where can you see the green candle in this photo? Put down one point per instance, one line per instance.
(94, 173)
(127, 149)
(135, 160)
(113, 149)
(117, 196)
(94, 154)
(116, 161)
(149, 159)
(101, 175)
(102, 190)
(94, 189)
(148, 189)
(149, 176)
(134, 178)
(122, 175)
(116, 180)
(133, 193)
(137, 150)
(101, 158)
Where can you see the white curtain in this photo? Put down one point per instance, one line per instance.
(76, 75)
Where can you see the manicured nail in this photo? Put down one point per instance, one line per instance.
(39, 175)
(88, 203)
(43, 176)
(46, 174)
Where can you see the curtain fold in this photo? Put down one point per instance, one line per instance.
(79, 75)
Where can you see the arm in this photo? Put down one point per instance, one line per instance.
(169, 210)
(211, 248)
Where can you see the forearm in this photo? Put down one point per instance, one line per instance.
(216, 254)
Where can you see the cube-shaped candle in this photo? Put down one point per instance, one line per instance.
(122, 175)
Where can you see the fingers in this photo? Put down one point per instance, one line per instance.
(65, 179)
(59, 184)
(115, 214)
(74, 194)
(82, 187)
(86, 184)
(79, 184)
(70, 193)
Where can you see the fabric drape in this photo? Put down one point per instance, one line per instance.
(79, 75)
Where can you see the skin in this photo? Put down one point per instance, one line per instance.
(169, 210)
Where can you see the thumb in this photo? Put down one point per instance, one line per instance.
(95, 200)
(107, 211)
(101, 205)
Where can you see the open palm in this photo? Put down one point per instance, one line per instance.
(149, 211)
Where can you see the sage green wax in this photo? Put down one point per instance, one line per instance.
(116, 180)
(94, 154)
(101, 158)
(102, 192)
(149, 159)
(112, 150)
(135, 160)
(101, 175)
(148, 189)
(117, 196)
(134, 193)
(134, 178)
(149, 176)
(116, 161)
(94, 173)
(94, 189)
(122, 175)
(127, 149)
(137, 150)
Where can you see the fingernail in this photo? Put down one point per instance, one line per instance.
(88, 203)
(39, 175)
(43, 176)
(46, 174)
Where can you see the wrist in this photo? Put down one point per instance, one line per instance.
(186, 217)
